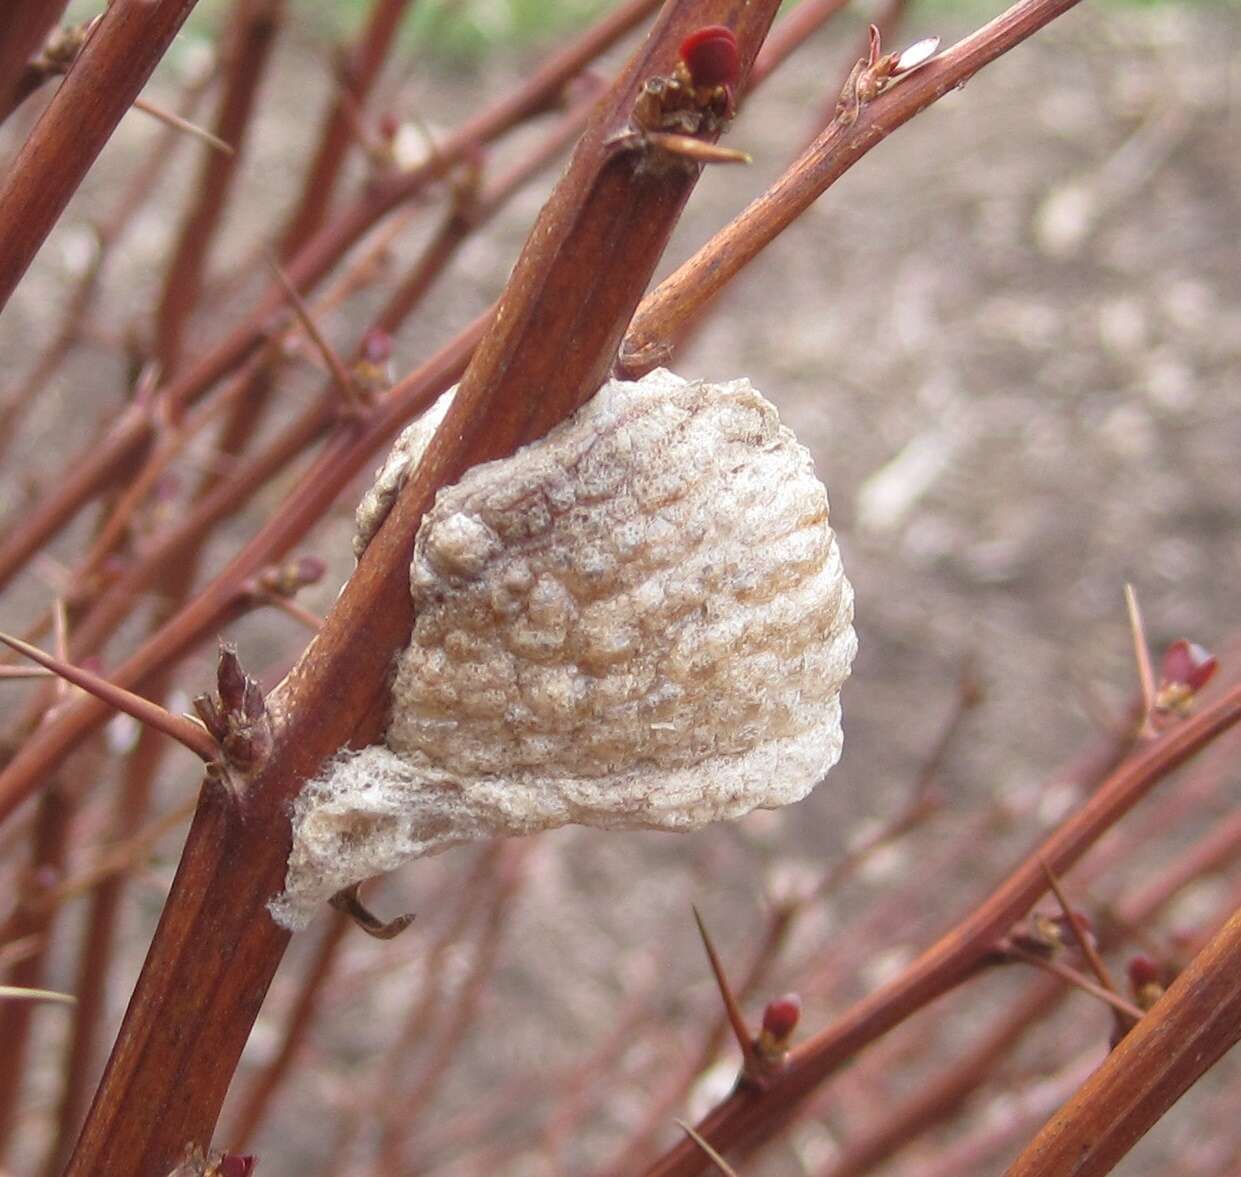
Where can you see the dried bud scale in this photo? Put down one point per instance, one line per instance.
(639, 621)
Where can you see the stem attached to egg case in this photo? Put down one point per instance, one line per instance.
(550, 345)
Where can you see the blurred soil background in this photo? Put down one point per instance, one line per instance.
(1012, 339)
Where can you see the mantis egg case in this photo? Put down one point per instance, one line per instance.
(640, 620)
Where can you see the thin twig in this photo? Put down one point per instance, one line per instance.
(1066, 973)
(1084, 943)
(670, 309)
(184, 731)
(340, 374)
(118, 58)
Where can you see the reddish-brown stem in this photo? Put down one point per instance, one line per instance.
(468, 213)
(123, 49)
(1176, 1042)
(170, 442)
(676, 302)
(90, 987)
(941, 1099)
(258, 1096)
(1219, 847)
(253, 24)
(108, 231)
(748, 1117)
(132, 803)
(356, 75)
(978, 1150)
(26, 24)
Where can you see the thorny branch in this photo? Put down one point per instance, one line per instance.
(749, 1116)
(220, 846)
(216, 948)
(672, 306)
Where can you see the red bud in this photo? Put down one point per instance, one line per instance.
(1142, 971)
(377, 346)
(780, 1017)
(710, 54)
(233, 1164)
(1187, 663)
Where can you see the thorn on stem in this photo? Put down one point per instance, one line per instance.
(751, 1062)
(351, 904)
(353, 400)
(1085, 943)
(1141, 653)
(180, 124)
(701, 1141)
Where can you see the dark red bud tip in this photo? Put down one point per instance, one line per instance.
(389, 124)
(711, 56)
(1142, 971)
(780, 1017)
(1188, 663)
(234, 1165)
(377, 346)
